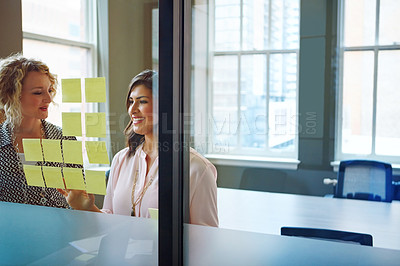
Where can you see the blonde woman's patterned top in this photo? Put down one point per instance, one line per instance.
(13, 186)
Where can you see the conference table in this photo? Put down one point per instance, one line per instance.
(37, 235)
(267, 212)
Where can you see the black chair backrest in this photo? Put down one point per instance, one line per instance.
(327, 234)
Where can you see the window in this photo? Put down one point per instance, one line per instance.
(369, 54)
(61, 34)
(252, 79)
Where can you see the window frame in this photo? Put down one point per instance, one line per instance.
(376, 48)
(91, 32)
(92, 46)
(266, 157)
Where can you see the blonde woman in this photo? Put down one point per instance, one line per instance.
(27, 88)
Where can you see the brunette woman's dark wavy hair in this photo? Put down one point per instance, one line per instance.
(148, 78)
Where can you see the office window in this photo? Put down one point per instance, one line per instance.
(63, 35)
(369, 52)
(252, 78)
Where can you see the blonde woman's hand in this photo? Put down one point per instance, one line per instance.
(79, 199)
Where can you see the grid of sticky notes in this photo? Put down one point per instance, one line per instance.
(95, 92)
(70, 151)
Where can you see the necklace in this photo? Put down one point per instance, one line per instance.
(140, 196)
(43, 199)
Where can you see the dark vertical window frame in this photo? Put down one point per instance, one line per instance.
(174, 79)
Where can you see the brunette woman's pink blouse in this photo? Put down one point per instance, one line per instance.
(203, 187)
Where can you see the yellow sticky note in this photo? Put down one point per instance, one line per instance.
(95, 90)
(71, 90)
(33, 175)
(72, 151)
(52, 150)
(95, 125)
(97, 152)
(95, 182)
(32, 149)
(53, 177)
(73, 178)
(153, 213)
(71, 124)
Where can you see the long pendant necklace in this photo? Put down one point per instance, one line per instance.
(140, 196)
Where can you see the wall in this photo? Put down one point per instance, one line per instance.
(11, 29)
(129, 43)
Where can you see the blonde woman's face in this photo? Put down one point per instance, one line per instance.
(141, 110)
(36, 95)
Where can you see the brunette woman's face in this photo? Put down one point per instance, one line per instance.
(141, 110)
(36, 95)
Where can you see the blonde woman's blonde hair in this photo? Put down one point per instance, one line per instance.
(13, 70)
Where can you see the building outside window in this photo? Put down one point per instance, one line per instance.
(369, 56)
(252, 73)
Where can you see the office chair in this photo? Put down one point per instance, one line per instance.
(326, 234)
(365, 180)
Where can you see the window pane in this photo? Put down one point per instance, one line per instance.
(285, 21)
(75, 63)
(227, 25)
(387, 122)
(358, 79)
(225, 95)
(255, 24)
(282, 101)
(389, 22)
(359, 22)
(253, 118)
(56, 18)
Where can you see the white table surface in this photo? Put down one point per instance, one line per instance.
(35, 235)
(266, 212)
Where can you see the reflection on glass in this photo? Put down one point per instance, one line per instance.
(388, 95)
(358, 75)
(282, 101)
(58, 18)
(359, 22)
(253, 101)
(225, 94)
(389, 22)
